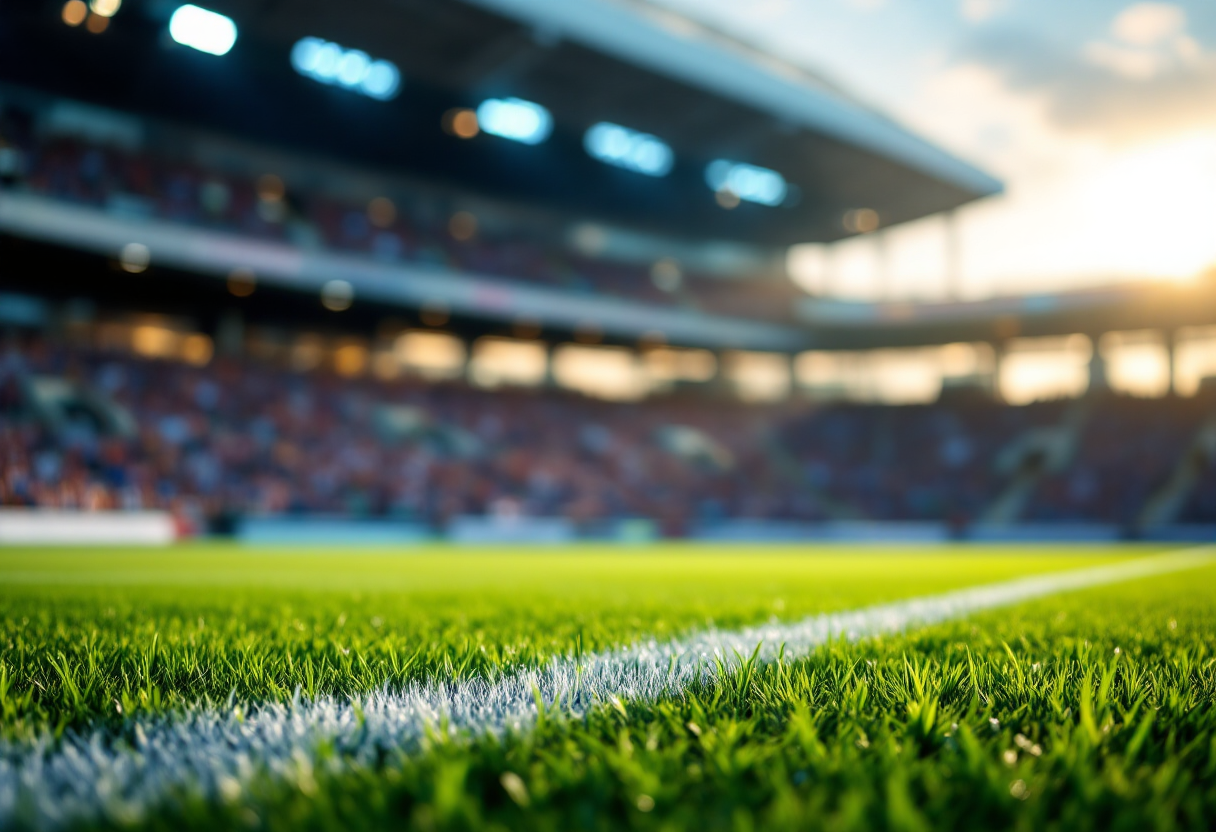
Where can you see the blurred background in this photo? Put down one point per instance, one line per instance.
(524, 270)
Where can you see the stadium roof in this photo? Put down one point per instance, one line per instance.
(596, 60)
(837, 324)
(705, 59)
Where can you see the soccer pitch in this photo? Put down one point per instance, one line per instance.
(666, 687)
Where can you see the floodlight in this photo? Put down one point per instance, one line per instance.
(380, 80)
(628, 149)
(748, 182)
(201, 29)
(351, 69)
(515, 119)
(352, 66)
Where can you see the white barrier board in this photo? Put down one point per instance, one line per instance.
(20, 526)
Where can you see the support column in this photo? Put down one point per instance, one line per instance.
(722, 384)
(230, 334)
(1171, 361)
(1097, 367)
(998, 358)
(550, 381)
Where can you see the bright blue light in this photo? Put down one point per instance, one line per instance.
(381, 80)
(515, 119)
(351, 69)
(748, 182)
(204, 30)
(628, 149)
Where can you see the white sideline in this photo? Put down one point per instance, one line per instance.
(213, 752)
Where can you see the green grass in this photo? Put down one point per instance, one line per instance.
(89, 635)
(1089, 710)
(1016, 720)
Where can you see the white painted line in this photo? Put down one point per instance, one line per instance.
(211, 752)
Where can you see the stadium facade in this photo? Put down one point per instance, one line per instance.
(384, 261)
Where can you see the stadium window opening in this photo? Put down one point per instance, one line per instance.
(350, 69)
(515, 119)
(628, 149)
(749, 183)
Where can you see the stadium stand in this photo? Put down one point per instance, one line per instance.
(144, 185)
(231, 436)
(293, 230)
(101, 429)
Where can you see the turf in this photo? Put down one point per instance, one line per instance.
(91, 635)
(1087, 710)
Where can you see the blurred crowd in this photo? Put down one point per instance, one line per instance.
(1127, 453)
(236, 437)
(84, 428)
(913, 463)
(415, 230)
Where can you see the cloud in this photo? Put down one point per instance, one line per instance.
(1138, 64)
(977, 11)
(1158, 82)
(867, 5)
(973, 110)
(1148, 24)
(1148, 40)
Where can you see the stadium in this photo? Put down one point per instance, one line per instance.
(412, 415)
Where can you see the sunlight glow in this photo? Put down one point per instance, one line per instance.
(1045, 368)
(1137, 363)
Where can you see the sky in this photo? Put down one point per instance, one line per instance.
(1099, 116)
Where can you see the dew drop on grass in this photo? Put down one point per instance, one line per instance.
(515, 788)
(230, 788)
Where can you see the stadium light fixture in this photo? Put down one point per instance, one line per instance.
(628, 149)
(105, 8)
(515, 119)
(351, 69)
(748, 182)
(134, 258)
(337, 295)
(202, 29)
(74, 12)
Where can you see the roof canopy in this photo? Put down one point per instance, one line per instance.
(587, 62)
